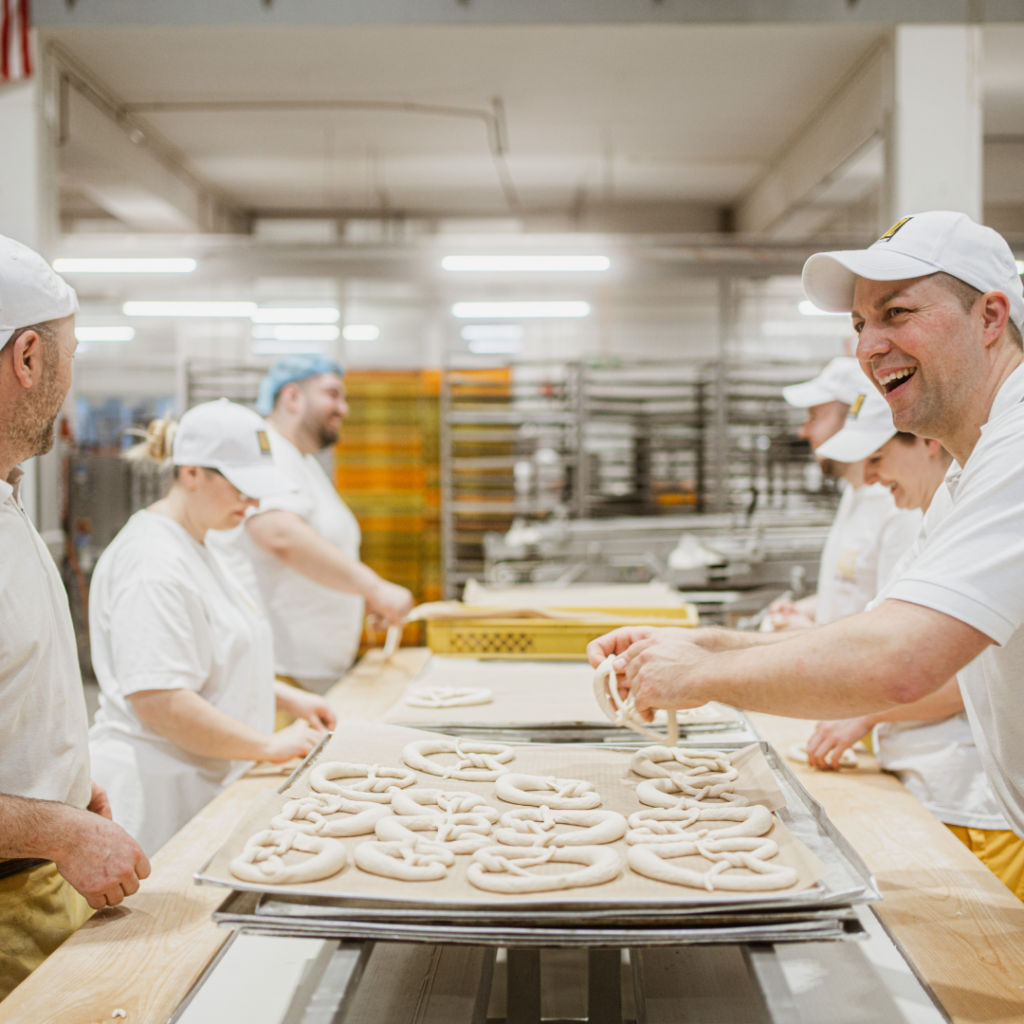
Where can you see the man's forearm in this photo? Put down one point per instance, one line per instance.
(717, 639)
(35, 828)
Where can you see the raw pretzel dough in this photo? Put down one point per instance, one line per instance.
(314, 815)
(261, 858)
(672, 824)
(375, 782)
(725, 855)
(459, 833)
(477, 762)
(659, 792)
(623, 712)
(448, 696)
(540, 791)
(535, 826)
(709, 766)
(798, 752)
(506, 868)
(424, 801)
(415, 861)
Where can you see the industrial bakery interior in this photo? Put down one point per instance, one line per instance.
(511, 511)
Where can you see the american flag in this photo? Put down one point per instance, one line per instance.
(15, 50)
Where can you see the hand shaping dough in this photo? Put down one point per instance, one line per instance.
(726, 855)
(448, 696)
(315, 815)
(439, 802)
(414, 861)
(623, 712)
(261, 859)
(475, 762)
(535, 826)
(541, 791)
(506, 868)
(459, 833)
(798, 752)
(670, 824)
(374, 785)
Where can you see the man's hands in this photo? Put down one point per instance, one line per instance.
(297, 740)
(310, 707)
(99, 858)
(388, 604)
(831, 739)
(98, 803)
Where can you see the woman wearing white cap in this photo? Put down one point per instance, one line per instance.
(183, 655)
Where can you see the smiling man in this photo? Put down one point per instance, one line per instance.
(938, 305)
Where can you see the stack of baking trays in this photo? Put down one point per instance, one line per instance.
(396, 834)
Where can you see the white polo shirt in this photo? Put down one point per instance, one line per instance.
(868, 537)
(971, 567)
(44, 726)
(316, 629)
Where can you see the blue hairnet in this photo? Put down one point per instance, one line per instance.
(289, 369)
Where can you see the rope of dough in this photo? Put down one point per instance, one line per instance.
(261, 859)
(316, 815)
(535, 826)
(671, 824)
(475, 762)
(506, 869)
(448, 696)
(459, 833)
(663, 792)
(726, 855)
(415, 861)
(540, 791)
(623, 713)
(421, 801)
(798, 752)
(705, 766)
(375, 783)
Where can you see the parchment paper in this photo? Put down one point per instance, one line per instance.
(525, 693)
(608, 769)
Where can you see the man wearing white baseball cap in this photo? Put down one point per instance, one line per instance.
(869, 534)
(938, 305)
(183, 654)
(55, 832)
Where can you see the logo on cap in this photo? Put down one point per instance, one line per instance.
(261, 436)
(892, 231)
(855, 408)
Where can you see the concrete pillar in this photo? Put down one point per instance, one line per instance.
(935, 156)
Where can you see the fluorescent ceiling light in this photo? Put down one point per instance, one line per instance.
(520, 264)
(238, 309)
(288, 348)
(518, 310)
(495, 346)
(810, 309)
(124, 266)
(312, 315)
(104, 333)
(492, 332)
(361, 332)
(295, 332)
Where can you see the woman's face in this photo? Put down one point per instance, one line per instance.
(908, 470)
(214, 502)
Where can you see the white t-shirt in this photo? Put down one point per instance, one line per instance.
(166, 614)
(44, 749)
(937, 761)
(316, 629)
(971, 567)
(868, 537)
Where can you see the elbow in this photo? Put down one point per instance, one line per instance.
(910, 685)
(273, 540)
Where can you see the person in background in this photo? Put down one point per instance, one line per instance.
(869, 533)
(60, 854)
(182, 653)
(300, 550)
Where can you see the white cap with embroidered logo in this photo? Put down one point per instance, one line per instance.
(842, 380)
(868, 426)
(917, 246)
(232, 440)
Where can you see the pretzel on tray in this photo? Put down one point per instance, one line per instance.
(506, 869)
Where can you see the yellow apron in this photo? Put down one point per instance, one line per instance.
(1000, 850)
(38, 911)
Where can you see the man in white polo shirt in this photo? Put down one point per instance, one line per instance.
(869, 533)
(938, 305)
(56, 837)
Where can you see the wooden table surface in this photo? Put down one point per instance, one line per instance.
(960, 927)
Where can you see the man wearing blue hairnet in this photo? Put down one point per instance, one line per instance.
(300, 550)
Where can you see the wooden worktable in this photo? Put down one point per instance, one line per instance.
(962, 930)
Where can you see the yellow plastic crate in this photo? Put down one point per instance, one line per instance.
(544, 639)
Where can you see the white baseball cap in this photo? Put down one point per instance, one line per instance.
(232, 440)
(917, 246)
(868, 426)
(842, 380)
(31, 291)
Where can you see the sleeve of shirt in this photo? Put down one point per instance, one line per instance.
(160, 639)
(288, 501)
(898, 536)
(971, 565)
